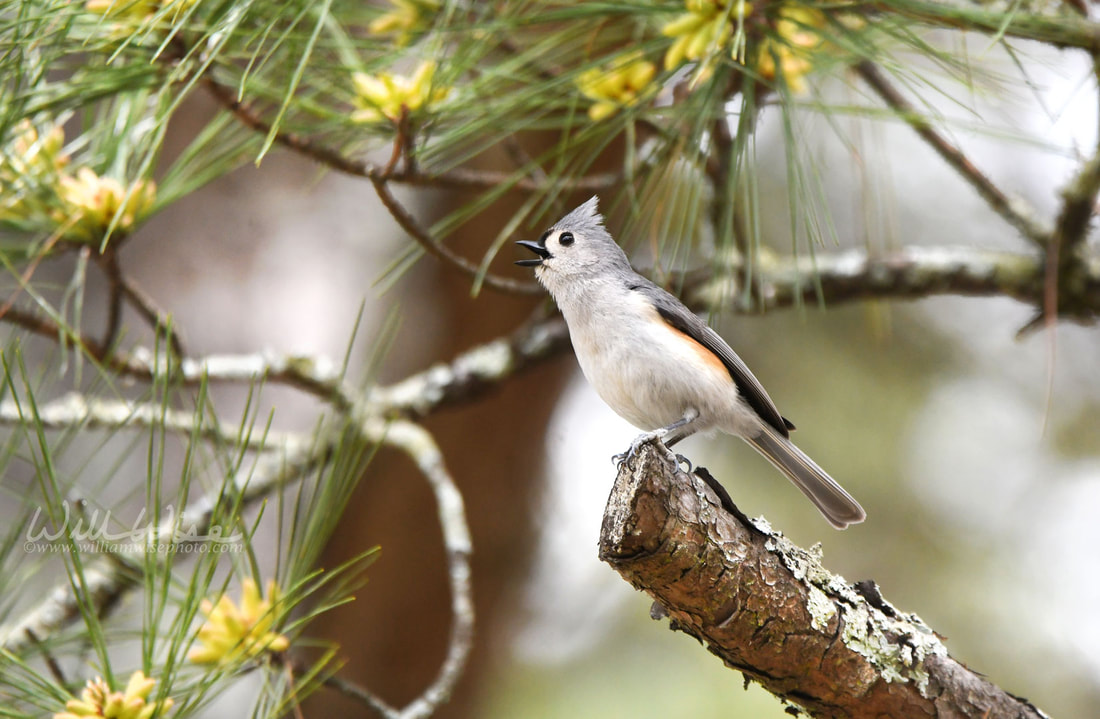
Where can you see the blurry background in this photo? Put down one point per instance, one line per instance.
(976, 454)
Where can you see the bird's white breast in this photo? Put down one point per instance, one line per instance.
(643, 368)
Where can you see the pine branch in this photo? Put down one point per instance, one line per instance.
(1057, 30)
(1014, 210)
(77, 410)
(286, 458)
(111, 577)
(469, 375)
(121, 287)
(770, 609)
(456, 179)
(910, 273)
(420, 446)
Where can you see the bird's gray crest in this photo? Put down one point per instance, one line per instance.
(584, 219)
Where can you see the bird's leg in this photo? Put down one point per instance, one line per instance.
(676, 431)
(672, 438)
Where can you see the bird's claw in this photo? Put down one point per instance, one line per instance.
(681, 459)
(641, 439)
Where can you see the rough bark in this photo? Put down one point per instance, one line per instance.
(770, 609)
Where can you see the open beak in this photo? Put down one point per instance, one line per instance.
(538, 249)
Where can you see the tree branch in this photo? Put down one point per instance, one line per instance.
(1078, 207)
(421, 447)
(459, 178)
(77, 410)
(437, 249)
(288, 457)
(845, 276)
(771, 610)
(143, 304)
(911, 273)
(109, 578)
(1014, 211)
(1056, 30)
(474, 372)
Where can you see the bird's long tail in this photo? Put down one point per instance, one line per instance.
(828, 496)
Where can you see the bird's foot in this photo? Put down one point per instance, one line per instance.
(681, 459)
(641, 439)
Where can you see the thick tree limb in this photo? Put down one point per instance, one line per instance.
(771, 610)
(909, 273)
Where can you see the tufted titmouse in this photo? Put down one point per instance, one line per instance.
(657, 364)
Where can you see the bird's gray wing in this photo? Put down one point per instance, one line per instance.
(681, 318)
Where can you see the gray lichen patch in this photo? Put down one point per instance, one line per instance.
(420, 392)
(820, 607)
(489, 361)
(896, 647)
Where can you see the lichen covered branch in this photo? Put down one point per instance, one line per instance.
(906, 274)
(421, 447)
(772, 611)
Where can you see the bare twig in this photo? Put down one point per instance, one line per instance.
(78, 410)
(473, 372)
(1065, 267)
(402, 145)
(457, 179)
(147, 308)
(47, 656)
(121, 287)
(469, 179)
(109, 264)
(1013, 210)
(361, 694)
(42, 326)
(1078, 208)
(318, 376)
(379, 178)
(421, 447)
(346, 687)
(302, 145)
(437, 249)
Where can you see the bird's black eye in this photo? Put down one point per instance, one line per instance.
(565, 239)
